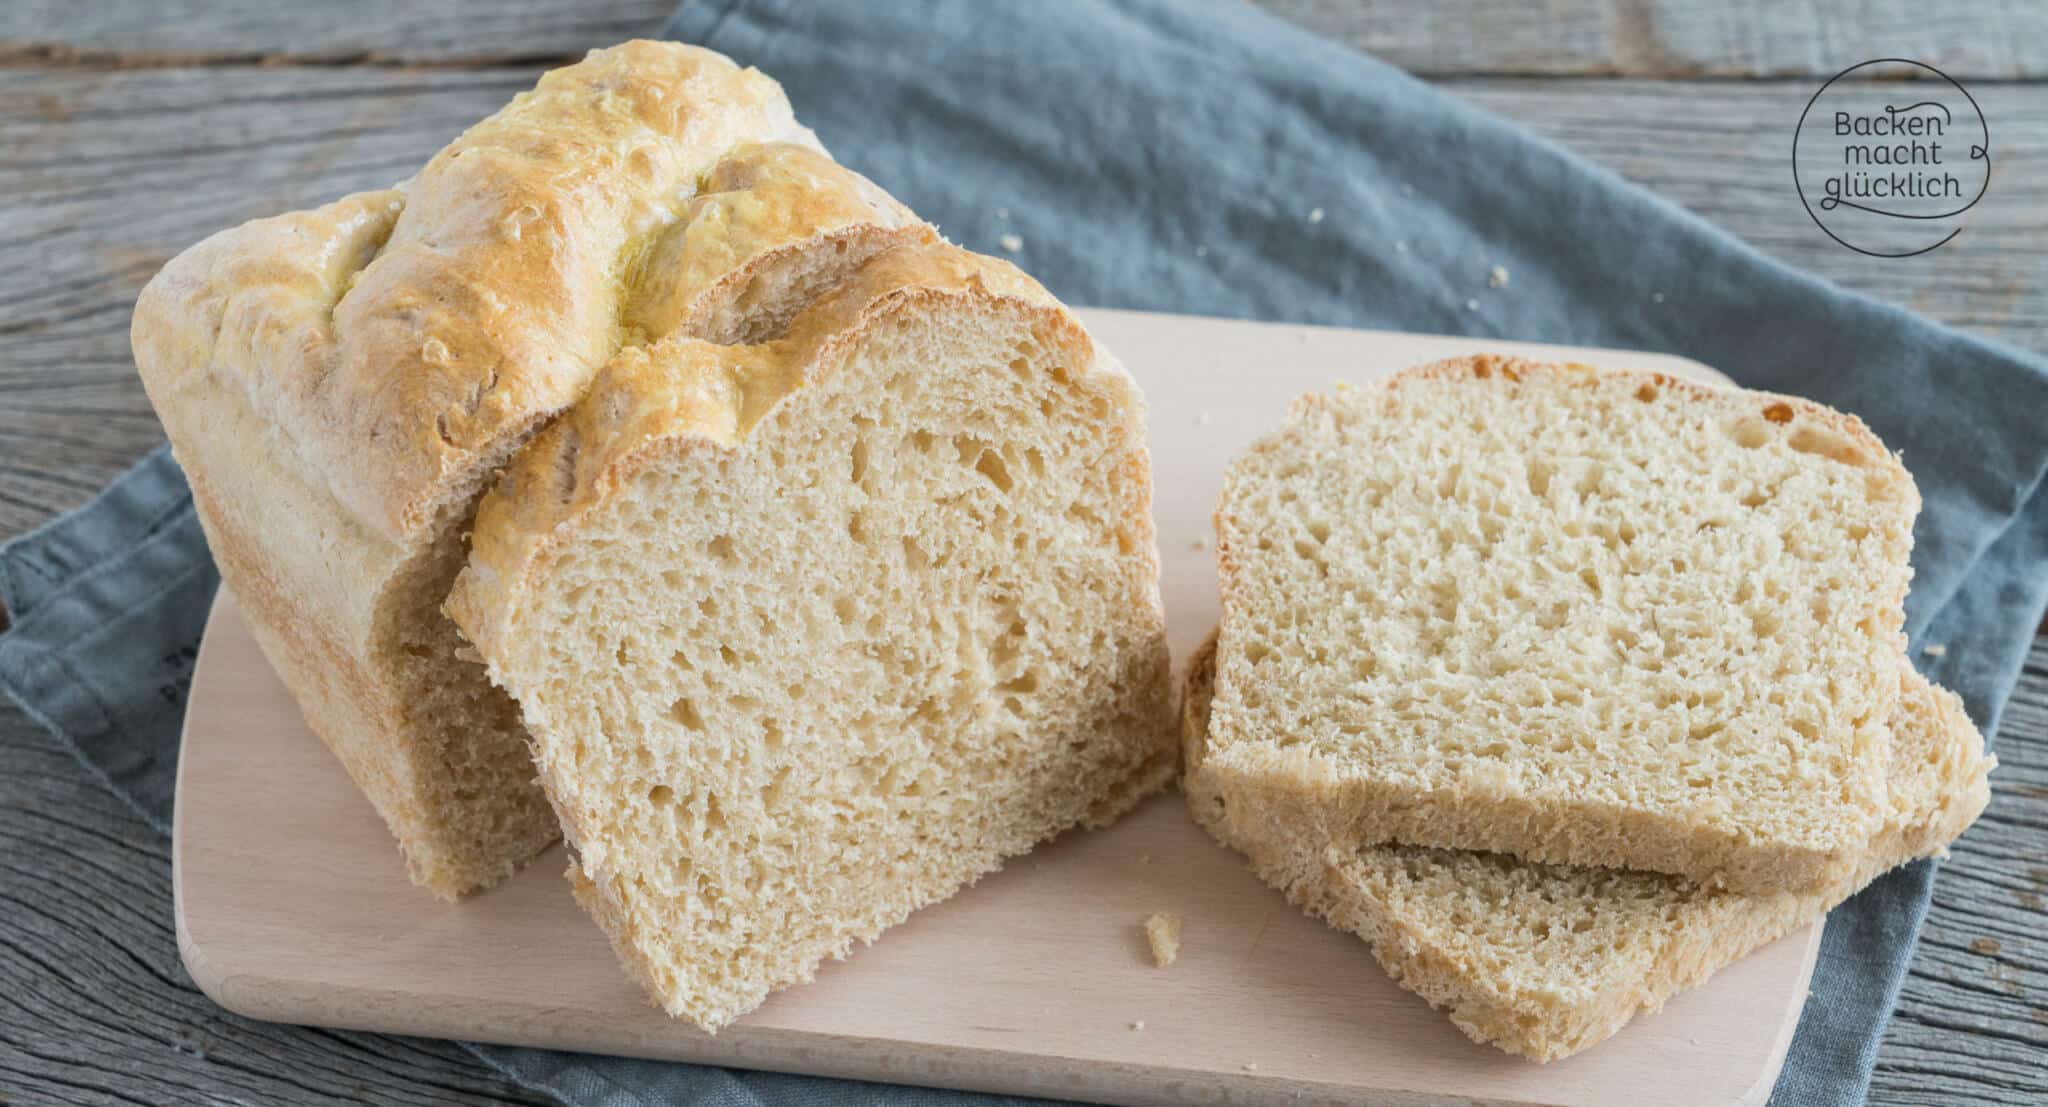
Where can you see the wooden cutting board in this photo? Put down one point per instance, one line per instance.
(293, 903)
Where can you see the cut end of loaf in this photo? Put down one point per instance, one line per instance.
(797, 670)
(1580, 615)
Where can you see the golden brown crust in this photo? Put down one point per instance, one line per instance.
(408, 373)
(761, 210)
(685, 393)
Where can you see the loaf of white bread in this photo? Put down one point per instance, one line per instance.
(1494, 615)
(816, 552)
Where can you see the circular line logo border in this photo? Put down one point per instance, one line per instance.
(1798, 187)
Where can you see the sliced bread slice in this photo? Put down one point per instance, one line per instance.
(814, 630)
(1546, 960)
(1581, 616)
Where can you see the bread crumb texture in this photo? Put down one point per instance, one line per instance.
(1545, 960)
(1162, 933)
(1583, 616)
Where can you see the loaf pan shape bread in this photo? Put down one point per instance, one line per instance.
(814, 628)
(340, 384)
(1546, 960)
(1580, 616)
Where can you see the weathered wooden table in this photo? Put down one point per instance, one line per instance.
(130, 128)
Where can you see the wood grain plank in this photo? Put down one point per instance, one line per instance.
(1972, 1020)
(462, 32)
(95, 1006)
(1723, 151)
(1995, 39)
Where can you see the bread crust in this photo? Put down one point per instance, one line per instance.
(490, 298)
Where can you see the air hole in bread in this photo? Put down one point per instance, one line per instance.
(990, 465)
(1024, 684)
(1749, 434)
(857, 468)
(1809, 439)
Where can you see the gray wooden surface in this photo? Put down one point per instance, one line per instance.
(128, 129)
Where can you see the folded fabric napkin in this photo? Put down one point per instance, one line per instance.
(1211, 159)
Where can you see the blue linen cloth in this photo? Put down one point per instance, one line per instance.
(1208, 158)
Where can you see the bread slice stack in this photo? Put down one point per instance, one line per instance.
(1564, 688)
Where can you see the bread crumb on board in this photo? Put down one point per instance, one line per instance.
(1498, 278)
(1471, 305)
(1138, 1025)
(1251, 1066)
(1011, 242)
(1315, 215)
(1934, 649)
(1162, 930)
